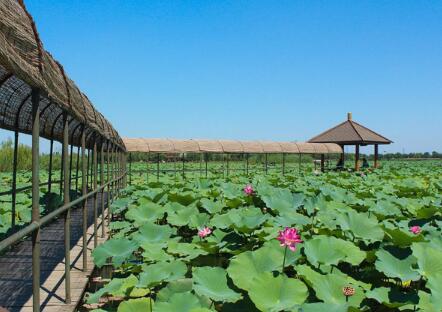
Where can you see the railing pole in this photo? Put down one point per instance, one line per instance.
(87, 169)
(94, 160)
(103, 232)
(14, 180)
(36, 248)
(84, 192)
(51, 153)
(67, 216)
(71, 163)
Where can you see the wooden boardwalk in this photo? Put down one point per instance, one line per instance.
(16, 266)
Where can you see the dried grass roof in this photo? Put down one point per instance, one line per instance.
(25, 65)
(227, 146)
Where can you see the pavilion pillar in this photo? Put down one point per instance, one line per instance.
(376, 155)
(357, 157)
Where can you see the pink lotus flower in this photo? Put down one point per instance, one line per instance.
(204, 232)
(248, 190)
(289, 238)
(416, 229)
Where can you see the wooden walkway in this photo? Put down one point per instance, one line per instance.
(16, 266)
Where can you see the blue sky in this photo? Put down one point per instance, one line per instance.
(271, 70)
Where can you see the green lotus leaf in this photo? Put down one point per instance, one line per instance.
(155, 252)
(199, 220)
(280, 200)
(184, 198)
(321, 306)
(221, 221)
(391, 298)
(362, 226)
(211, 206)
(247, 219)
(145, 213)
(183, 302)
(120, 204)
(275, 294)
(116, 287)
(157, 273)
(328, 288)
(118, 249)
(186, 250)
(247, 265)
(153, 233)
(329, 250)
(212, 283)
(394, 267)
(181, 218)
(151, 194)
(429, 259)
(135, 305)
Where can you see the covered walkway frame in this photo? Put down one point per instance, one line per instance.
(226, 147)
(38, 98)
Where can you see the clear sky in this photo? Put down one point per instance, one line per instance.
(271, 70)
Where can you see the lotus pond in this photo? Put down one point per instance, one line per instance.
(327, 242)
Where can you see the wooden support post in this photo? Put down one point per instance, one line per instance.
(357, 157)
(36, 248)
(147, 166)
(67, 216)
(84, 192)
(94, 170)
(376, 156)
(14, 180)
(227, 165)
(322, 162)
(108, 181)
(283, 164)
(71, 154)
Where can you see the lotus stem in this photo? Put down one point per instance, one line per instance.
(283, 262)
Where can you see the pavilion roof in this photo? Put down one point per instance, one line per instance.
(350, 132)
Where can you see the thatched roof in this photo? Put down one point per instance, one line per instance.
(350, 132)
(25, 65)
(227, 146)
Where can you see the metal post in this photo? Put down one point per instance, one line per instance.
(266, 164)
(130, 169)
(201, 164)
(76, 170)
(227, 164)
(376, 156)
(183, 169)
(147, 166)
(300, 160)
(322, 162)
(67, 216)
(36, 248)
(206, 160)
(14, 179)
(87, 167)
(94, 156)
(283, 164)
(247, 163)
(103, 232)
(158, 166)
(84, 192)
(51, 151)
(108, 179)
(70, 163)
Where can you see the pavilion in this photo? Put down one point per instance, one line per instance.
(352, 133)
